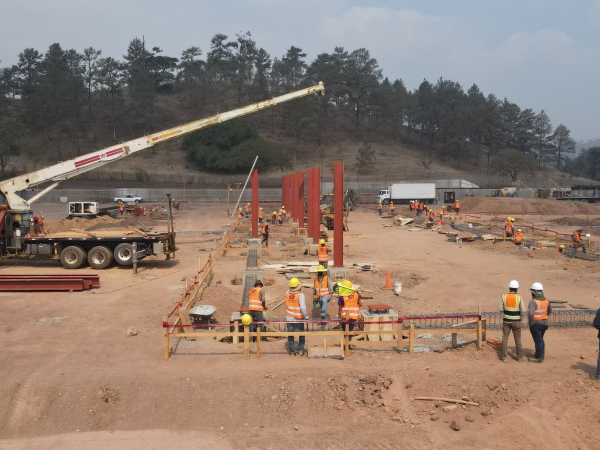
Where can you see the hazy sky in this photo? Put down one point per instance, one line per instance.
(540, 54)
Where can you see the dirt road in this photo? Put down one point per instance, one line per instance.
(71, 378)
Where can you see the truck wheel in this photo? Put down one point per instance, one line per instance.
(72, 257)
(100, 257)
(124, 254)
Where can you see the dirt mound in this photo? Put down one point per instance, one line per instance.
(99, 223)
(525, 205)
(574, 222)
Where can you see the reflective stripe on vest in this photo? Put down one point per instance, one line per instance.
(323, 289)
(350, 310)
(541, 310)
(322, 253)
(254, 303)
(292, 304)
(512, 306)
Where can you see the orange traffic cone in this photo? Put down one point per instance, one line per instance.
(388, 280)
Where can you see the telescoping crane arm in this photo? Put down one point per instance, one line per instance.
(68, 169)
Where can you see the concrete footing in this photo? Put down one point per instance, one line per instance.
(312, 249)
(338, 273)
(252, 274)
(255, 243)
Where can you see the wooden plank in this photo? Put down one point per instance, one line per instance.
(411, 339)
(247, 342)
(347, 340)
(465, 323)
(479, 340)
(236, 327)
(166, 333)
(185, 319)
(448, 400)
(399, 337)
(258, 355)
(579, 306)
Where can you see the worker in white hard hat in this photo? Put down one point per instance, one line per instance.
(295, 314)
(323, 253)
(322, 290)
(539, 309)
(513, 307)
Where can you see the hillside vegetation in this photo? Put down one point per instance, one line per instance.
(63, 103)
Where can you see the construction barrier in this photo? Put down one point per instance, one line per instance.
(344, 335)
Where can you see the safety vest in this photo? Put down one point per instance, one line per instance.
(260, 215)
(254, 303)
(121, 207)
(280, 215)
(411, 206)
(322, 253)
(247, 208)
(392, 206)
(421, 206)
(321, 290)
(508, 227)
(442, 212)
(541, 310)
(431, 215)
(350, 310)
(265, 229)
(512, 306)
(240, 215)
(456, 204)
(576, 239)
(518, 238)
(292, 304)
(379, 207)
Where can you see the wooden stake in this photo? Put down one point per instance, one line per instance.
(347, 339)
(166, 332)
(448, 400)
(246, 342)
(479, 340)
(411, 339)
(236, 328)
(258, 342)
(399, 341)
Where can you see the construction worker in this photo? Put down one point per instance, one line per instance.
(392, 207)
(295, 312)
(457, 206)
(436, 199)
(596, 325)
(265, 234)
(508, 227)
(274, 217)
(348, 305)
(280, 217)
(431, 215)
(442, 210)
(380, 208)
(121, 208)
(322, 290)
(539, 308)
(411, 206)
(513, 307)
(240, 214)
(577, 242)
(518, 237)
(256, 305)
(283, 213)
(41, 224)
(36, 226)
(260, 215)
(323, 253)
(247, 209)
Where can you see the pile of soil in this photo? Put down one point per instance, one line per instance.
(574, 222)
(99, 223)
(525, 205)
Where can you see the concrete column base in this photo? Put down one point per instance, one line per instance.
(338, 273)
(252, 274)
(255, 243)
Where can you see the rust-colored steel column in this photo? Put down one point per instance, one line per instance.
(254, 203)
(338, 223)
(300, 199)
(310, 199)
(294, 195)
(317, 204)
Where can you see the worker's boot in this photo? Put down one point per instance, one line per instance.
(535, 360)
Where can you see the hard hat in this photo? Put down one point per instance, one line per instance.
(508, 218)
(246, 319)
(519, 230)
(580, 231)
(282, 207)
(536, 287)
(260, 208)
(321, 241)
(380, 202)
(239, 209)
(294, 282)
(562, 246)
(321, 269)
(274, 212)
(258, 283)
(248, 204)
(514, 284)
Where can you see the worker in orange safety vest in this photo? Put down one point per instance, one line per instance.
(240, 214)
(508, 227)
(322, 290)
(265, 234)
(457, 206)
(323, 253)
(295, 314)
(121, 208)
(513, 307)
(348, 305)
(392, 207)
(518, 237)
(539, 309)
(247, 209)
(260, 215)
(256, 305)
(577, 242)
(431, 215)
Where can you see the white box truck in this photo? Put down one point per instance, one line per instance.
(405, 192)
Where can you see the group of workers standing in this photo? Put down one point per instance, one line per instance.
(278, 217)
(509, 230)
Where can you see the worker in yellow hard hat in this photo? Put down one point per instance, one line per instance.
(283, 213)
(295, 315)
(323, 253)
(348, 304)
(260, 215)
(240, 214)
(274, 217)
(247, 209)
(508, 227)
(322, 290)
(518, 237)
(380, 208)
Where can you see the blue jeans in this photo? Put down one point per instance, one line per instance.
(537, 333)
(292, 327)
(324, 301)
(257, 316)
(598, 365)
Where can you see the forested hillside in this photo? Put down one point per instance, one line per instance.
(59, 103)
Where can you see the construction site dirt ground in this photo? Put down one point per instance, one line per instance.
(73, 379)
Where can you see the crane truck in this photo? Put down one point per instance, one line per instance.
(16, 218)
